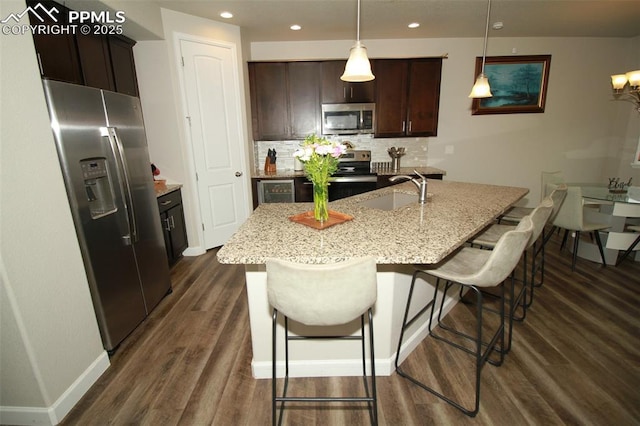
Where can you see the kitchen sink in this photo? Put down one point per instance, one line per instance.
(391, 201)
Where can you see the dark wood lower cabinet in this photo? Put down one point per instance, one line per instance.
(173, 225)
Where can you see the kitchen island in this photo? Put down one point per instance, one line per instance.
(397, 237)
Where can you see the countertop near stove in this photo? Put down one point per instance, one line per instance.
(414, 234)
(163, 189)
(288, 174)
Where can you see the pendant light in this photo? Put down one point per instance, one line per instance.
(358, 67)
(481, 88)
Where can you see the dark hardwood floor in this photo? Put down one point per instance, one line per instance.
(575, 360)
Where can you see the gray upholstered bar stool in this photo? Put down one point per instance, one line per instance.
(323, 295)
(490, 237)
(474, 269)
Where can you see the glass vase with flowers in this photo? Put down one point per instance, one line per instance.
(320, 159)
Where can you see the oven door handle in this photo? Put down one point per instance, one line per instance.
(353, 179)
(349, 179)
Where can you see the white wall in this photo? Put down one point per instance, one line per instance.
(158, 71)
(50, 340)
(581, 132)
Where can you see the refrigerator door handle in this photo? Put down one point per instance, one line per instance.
(123, 172)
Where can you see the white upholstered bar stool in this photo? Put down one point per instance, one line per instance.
(323, 295)
(515, 214)
(490, 237)
(475, 269)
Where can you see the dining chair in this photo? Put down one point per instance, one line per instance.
(474, 269)
(322, 295)
(571, 218)
(633, 245)
(632, 213)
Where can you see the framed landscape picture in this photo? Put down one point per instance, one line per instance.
(518, 84)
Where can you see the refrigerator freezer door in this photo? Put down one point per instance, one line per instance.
(124, 117)
(77, 113)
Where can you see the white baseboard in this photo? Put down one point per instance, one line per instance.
(194, 251)
(55, 413)
(349, 367)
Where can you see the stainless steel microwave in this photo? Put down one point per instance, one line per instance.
(348, 119)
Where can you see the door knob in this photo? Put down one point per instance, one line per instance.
(238, 174)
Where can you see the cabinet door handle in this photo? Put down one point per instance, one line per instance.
(166, 202)
(167, 225)
(409, 126)
(344, 93)
(403, 125)
(351, 89)
(173, 223)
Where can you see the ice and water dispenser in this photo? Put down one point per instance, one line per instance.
(98, 187)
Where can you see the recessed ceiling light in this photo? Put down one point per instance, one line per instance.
(296, 27)
(226, 15)
(497, 25)
(413, 25)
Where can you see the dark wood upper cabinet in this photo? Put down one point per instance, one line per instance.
(285, 99)
(268, 88)
(407, 96)
(101, 61)
(304, 98)
(335, 90)
(391, 96)
(123, 65)
(424, 96)
(95, 61)
(57, 53)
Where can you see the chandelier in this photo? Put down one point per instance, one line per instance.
(619, 83)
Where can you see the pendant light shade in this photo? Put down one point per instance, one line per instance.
(481, 88)
(358, 68)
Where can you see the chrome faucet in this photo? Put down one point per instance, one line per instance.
(420, 184)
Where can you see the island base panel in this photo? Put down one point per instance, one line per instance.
(339, 358)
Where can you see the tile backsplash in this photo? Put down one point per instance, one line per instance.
(416, 150)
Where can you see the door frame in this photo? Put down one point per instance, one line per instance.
(188, 146)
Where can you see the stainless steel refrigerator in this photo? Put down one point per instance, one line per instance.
(102, 147)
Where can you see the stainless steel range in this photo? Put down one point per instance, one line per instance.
(354, 175)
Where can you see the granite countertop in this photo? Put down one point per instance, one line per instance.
(165, 189)
(288, 173)
(414, 234)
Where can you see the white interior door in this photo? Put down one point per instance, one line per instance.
(212, 96)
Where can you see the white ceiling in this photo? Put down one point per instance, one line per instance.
(269, 20)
